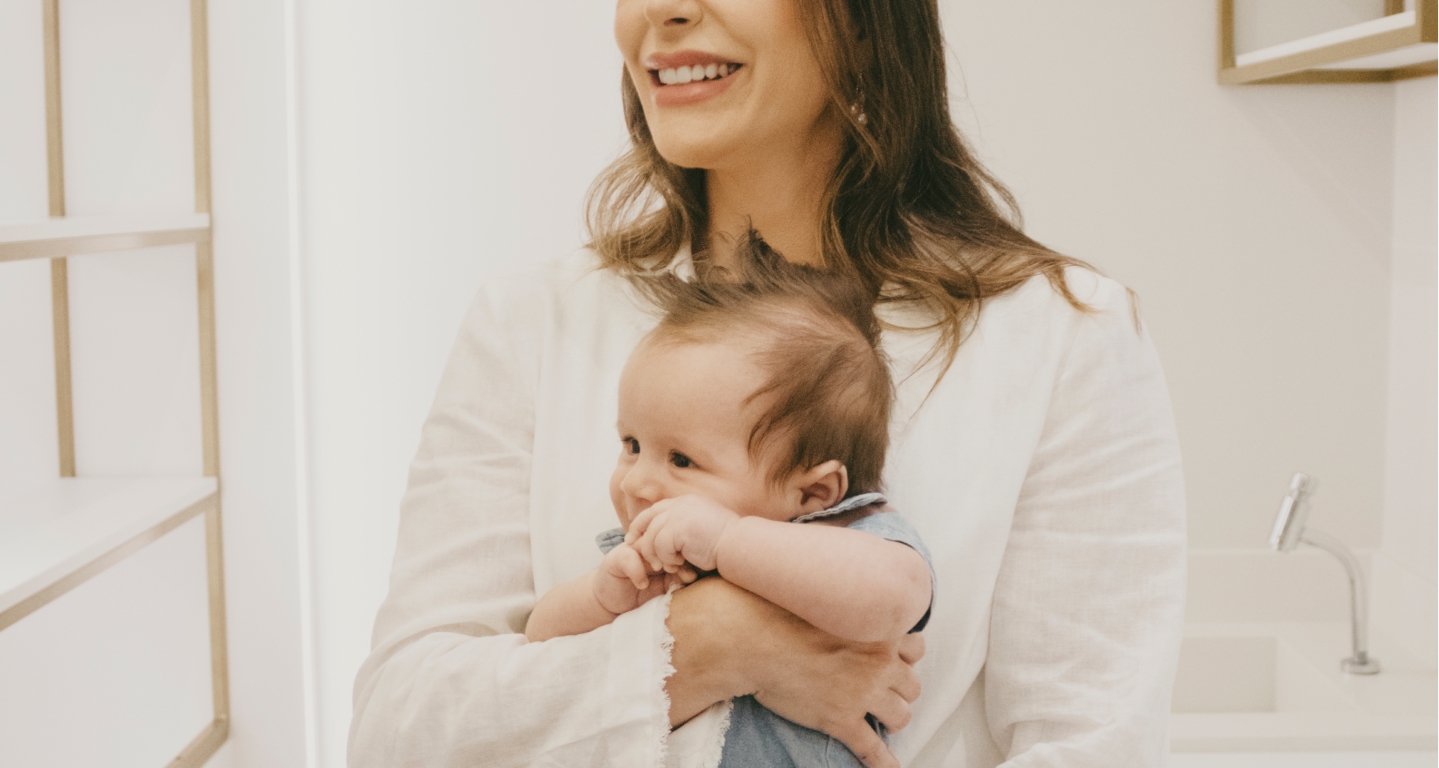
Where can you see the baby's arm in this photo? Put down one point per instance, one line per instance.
(851, 584)
(620, 584)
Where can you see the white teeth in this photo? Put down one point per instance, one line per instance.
(680, 75)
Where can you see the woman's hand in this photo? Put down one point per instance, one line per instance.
(729, 642)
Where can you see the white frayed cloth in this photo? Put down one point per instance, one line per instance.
(1042, 472)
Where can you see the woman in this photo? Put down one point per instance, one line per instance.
(1033, 445)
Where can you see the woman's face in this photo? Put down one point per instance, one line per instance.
(757, 90)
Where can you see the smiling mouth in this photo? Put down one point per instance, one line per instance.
(695, 74)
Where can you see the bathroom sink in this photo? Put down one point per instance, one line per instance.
(1250, 674)
(1277, 687)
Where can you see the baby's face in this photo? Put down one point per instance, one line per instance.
(684, 429)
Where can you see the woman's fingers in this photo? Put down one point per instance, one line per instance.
(892, 710)
(905, 683)
(866, 745)
(911, 648)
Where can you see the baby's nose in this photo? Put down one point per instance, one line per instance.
(639, 484)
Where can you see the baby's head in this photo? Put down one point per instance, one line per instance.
(768, 394)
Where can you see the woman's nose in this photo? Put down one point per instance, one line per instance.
(673, 13)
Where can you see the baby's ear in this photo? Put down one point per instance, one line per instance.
(822, 486)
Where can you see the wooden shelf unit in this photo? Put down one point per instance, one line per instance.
(63, 532)
(1396, 46)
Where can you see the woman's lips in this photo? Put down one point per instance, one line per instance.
(688, 77)
(689, 93)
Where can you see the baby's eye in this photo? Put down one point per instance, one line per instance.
(680, 460)
(632, 445)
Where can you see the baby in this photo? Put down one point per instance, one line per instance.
(754, 405)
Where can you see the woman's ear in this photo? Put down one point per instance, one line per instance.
(822, 486)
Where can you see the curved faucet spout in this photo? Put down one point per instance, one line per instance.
(1290, 529)
(1359, 663)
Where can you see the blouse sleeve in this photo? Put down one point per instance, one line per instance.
(1089, 602)
(450, 680)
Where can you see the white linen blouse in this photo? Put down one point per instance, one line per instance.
(1042, 471)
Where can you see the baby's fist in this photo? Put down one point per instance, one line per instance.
(679, 530)
(622, 581)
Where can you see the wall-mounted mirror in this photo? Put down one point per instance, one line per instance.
(1325, 41)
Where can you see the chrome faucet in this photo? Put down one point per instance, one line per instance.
(1289, 532)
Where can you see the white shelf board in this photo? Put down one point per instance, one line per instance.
(1407, 56)
(1313, 42)
(60, 526)
(73, 235)
(66, 227)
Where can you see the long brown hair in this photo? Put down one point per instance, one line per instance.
(909, 211)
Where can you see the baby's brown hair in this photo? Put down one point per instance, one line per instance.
(817, 341)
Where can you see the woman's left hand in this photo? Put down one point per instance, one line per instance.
(730, 642)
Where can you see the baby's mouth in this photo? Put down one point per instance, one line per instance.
(695, 74)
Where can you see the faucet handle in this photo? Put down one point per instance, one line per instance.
(1302, 482)
(1293, 513)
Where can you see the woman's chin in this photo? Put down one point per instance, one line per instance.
(692, 152)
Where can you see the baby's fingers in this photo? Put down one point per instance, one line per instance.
(646, 544)
(633, 567)
(642, 521)
(667, 551)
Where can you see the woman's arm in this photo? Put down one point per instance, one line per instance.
(851, 584)
(451, 679)
(1089, 602)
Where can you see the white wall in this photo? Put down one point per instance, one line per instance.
(28, 446)
(116, 672)
(1253, 222)
(1404, 584)
(1262, 23)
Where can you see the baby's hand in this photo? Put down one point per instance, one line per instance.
(623, 583)
(679, 530)
(622, 579)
